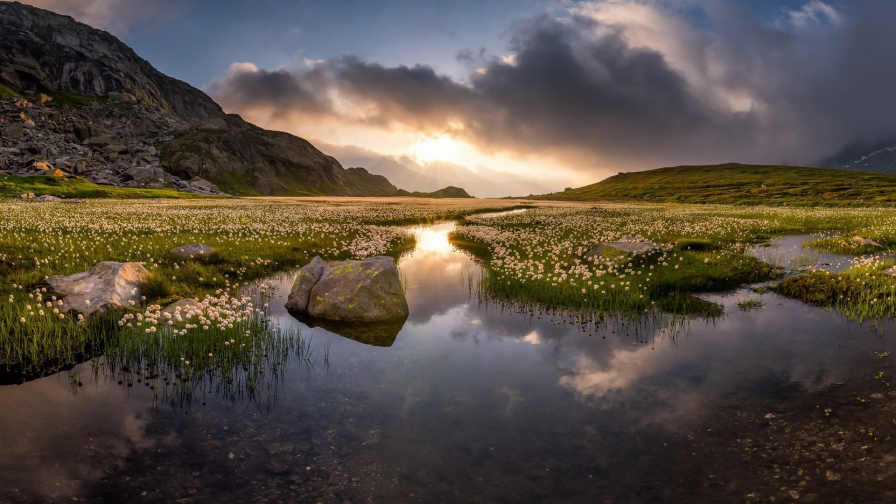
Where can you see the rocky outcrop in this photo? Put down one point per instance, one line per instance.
(306, 279)
(191, 251)
(98, 142)
(107, 286)
(115, 142)
(368, 290)
(244, 159)
(44, 52)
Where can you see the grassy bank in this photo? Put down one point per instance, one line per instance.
(738, 184)
(253, 238)
(79, 188)
(539, 256)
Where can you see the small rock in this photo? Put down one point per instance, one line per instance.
(191, 251)
(794, 494)
(832, 476)
(866, 241)
(180, 311)
(770, 416)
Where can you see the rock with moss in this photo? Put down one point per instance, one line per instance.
(308, 276)
(107, 286)
(368, 290)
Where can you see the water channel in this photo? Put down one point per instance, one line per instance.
(475, 402)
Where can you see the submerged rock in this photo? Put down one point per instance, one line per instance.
(191, 251)
(301, 289)
(381, 334)
(107, 286)
(368, 290)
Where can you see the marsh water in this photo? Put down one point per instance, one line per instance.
(475, 401)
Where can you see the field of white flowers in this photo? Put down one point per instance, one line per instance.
(252, 238)
(534, 256)
(537, 255)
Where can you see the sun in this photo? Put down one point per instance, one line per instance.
(439, 148)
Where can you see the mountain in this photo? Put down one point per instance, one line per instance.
(123, 99)
(447, 192)
(877, 156)
(410, 175)
(739, 184)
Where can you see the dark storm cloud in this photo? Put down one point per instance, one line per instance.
(580, 89)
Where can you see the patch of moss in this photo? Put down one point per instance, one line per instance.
(80, 188)
(5, 91)
(67, 99)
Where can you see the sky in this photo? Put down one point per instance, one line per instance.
(546, 93)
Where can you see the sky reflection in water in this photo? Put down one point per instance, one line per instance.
(467, 390)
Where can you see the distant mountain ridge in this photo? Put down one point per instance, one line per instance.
(44, 52)
(447, 192)
(877, 156)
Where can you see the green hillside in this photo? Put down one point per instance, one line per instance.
(740, 184)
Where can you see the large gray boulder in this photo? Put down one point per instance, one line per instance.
(305, 281)
(368, 290)
(107, 286)
(191, 251)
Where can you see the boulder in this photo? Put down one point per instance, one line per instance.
(180, 311)
(191, 251)
(890, 271)
(107, 286)
(368, 290)
(301, 290)
(46, 197)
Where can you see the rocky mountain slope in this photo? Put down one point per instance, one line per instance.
(114, 119)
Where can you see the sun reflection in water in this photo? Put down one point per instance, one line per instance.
(434, 238)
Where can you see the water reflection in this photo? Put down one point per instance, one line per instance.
(471, 402)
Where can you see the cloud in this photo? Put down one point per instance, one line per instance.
(116, 16)
(622, 84)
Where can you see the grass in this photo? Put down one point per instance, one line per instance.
(253, 239)
(863, 292)
(739, 184)
(67, 99)
(80, 188)
(750, 304)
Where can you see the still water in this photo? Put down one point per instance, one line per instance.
(477, 402)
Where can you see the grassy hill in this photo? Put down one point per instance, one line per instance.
(739, 184)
